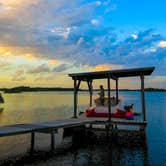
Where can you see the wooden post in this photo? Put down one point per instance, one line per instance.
(32, 141)
(90, 91)
(107, 128)
(75, 98)
(109, 99)
(143, 97)
(117, 94)
(52, 141)
(76, 88)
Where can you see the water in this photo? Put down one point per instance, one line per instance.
(46, 106)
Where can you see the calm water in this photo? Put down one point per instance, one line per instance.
(39, 107)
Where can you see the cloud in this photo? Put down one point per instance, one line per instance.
(52, 61)
(134, 36)
(17, 3)
(44, 78)
(79, 14)
(64, 32)
(95, 22)
(39, 69)
(4, 64)
(61, 68)
(46, 31)
(162, 44)
(57, 32)
(86, 43)
(19, 75)
(80, 41)
(131, 52)
(98, 3)
(20, 78)
(103, 67)
(19, 72)
(68, 33)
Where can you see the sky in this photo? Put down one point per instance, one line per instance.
(42, 41)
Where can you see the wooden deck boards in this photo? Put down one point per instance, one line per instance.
(64, 123)
(129, 122)
(7, 131)
(17, 129)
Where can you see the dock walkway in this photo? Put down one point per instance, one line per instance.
(52, 127)
(17, 129)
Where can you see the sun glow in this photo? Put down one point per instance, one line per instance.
(16, 3)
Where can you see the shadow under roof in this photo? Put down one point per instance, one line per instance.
(113, 74)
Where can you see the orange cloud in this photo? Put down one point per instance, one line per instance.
(4, 51)
(10, 53)
(29, 56)
(53, 61)
(103, 67)
(18, 3)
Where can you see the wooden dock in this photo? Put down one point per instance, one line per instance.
(52, 127)
(17, 129)
(42, 127)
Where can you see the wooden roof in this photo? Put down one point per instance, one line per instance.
(113, 74)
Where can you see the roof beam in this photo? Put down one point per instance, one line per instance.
(113, 74)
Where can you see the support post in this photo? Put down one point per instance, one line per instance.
(32, 141)
(109, 98)
(75, 98)
(76, 88)
(107, 128)
(90, 91)
(117, 90)
(52, 141)
(143, 97)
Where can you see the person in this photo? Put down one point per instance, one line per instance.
(101, 95)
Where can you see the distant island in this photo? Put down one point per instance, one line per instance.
(41, 89)
(33, 89)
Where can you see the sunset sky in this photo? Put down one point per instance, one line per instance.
(41, 41)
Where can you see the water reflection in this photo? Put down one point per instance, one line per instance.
(35, 107)
(81, 149)
(116, 153)
(129, 155)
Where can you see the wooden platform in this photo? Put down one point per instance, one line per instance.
(52, 127)
(17, 129)
(114, 121)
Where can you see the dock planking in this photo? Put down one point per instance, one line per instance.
(12, 130)
(129, 122)
(17, 129)
(53, 126)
